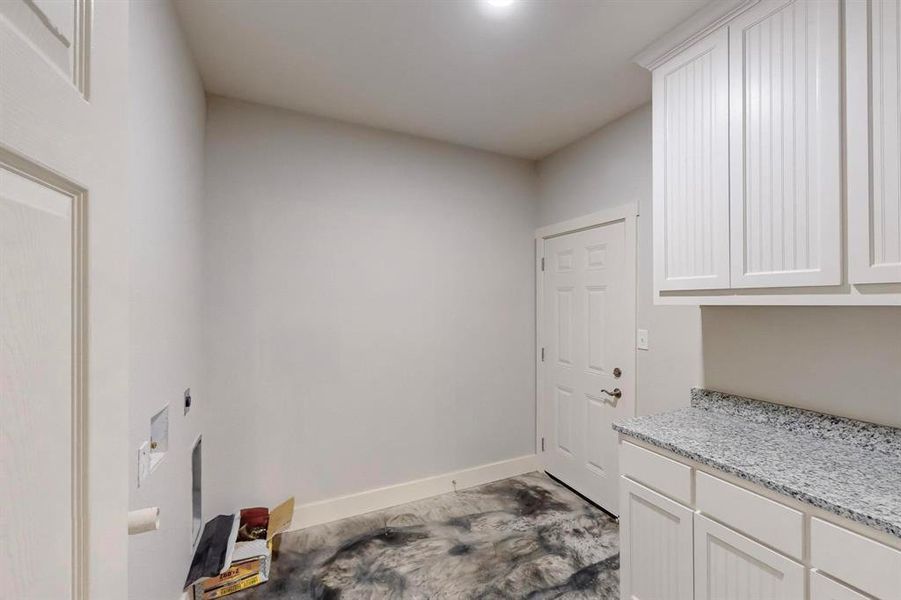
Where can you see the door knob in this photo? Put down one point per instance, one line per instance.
(616, 393)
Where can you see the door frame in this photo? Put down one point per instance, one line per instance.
(628, 214)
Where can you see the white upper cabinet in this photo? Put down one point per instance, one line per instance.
(691, 179)
(873, 97)
(777, 154)
(785, 155)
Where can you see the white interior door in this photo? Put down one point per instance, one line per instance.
(63, 299)
(587, 372)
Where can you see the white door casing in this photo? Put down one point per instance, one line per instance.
(63, 299)
(785, 155)
(586, 325)
(873, 130)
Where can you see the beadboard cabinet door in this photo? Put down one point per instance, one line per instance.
(823, 588)
(730, 566)
(691, 167)
(873, 96)
(785, 158)
(655, 545)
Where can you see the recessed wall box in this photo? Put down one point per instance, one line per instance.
(159, 437)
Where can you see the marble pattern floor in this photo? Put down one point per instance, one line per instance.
(524, 537)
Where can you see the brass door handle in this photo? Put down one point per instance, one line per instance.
(616, 393)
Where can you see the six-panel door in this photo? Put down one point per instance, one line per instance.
(691, 162)
(64, 299)
(785, 147)
(588, 335)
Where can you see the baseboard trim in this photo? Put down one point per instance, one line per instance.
(325, 511)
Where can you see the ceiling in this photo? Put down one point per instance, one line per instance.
(523, 80)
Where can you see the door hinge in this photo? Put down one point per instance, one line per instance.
(542, 444)
(542, 355)
(542, 263)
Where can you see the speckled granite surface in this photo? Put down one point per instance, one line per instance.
(847, 467)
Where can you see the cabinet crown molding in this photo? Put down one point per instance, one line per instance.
(703, 22)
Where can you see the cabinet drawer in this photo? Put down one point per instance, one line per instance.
(823, 588)
(770, 522)
(866, 564)
(655, 471)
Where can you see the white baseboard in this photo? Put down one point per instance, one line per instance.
(360, 503)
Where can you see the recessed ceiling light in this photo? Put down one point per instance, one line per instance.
(494, 9)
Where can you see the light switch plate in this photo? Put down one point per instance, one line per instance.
(143, 462)
(642, 339)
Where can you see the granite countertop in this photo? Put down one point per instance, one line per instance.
(847, 467)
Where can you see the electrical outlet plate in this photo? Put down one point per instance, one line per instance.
(642, 339)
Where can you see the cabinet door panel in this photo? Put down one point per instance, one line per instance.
(823, 588)
(785, 145)
(868, 565)
(691, 178)
(729, 566)
(655, 545)
(873, 55)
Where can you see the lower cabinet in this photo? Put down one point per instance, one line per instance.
(729, 566)
(823, 588)
(686, 534)
(655, 545)
(866, 564)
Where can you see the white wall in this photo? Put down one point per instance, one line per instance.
(609, 168)
(369, 307)
(166, 119)
(839, 360)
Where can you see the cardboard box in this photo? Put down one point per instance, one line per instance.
(249, 561)
(239, 576)
(247, 582)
